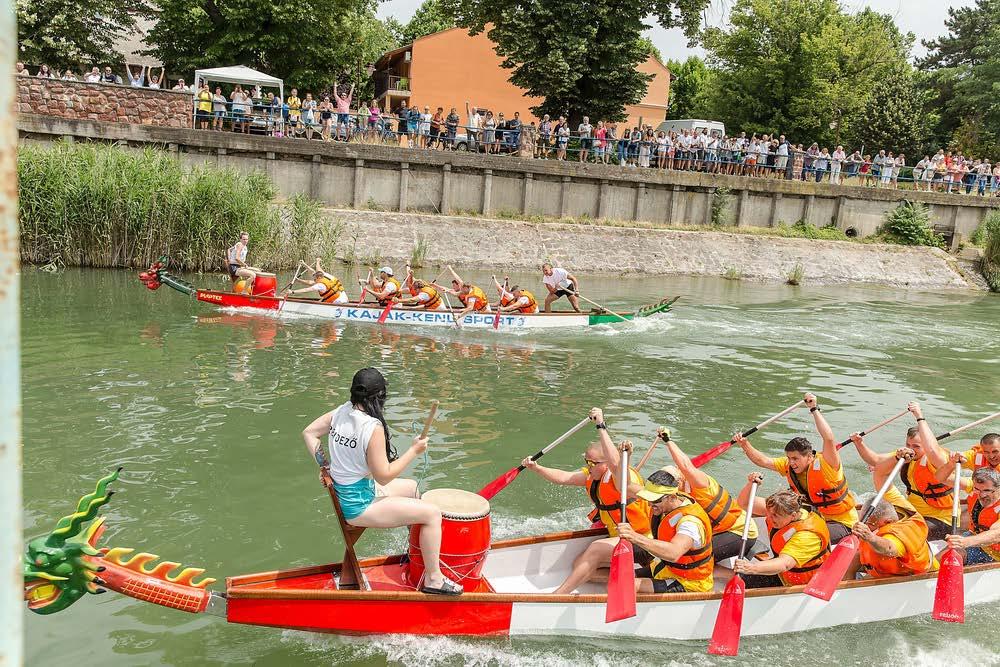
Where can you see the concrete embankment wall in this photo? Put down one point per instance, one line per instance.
(390, 178)
(481, 242)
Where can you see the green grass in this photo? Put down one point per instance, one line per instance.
(733, 273)
(419, 253)
(794, 276)
(103, 205)
(991, 250)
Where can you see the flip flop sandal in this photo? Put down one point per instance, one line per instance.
(448, 587)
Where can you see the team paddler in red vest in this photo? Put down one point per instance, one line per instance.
(599, 476)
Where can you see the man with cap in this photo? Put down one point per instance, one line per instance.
(560, 282)
(678, 557)
(385, 287)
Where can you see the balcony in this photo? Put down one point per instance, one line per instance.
(391, 84)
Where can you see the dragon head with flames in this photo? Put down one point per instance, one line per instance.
(59, 568)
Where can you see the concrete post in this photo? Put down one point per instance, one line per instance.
(315, 176)
(708, 207)
(807, 207)
(838, 216)
(11, 580)
(404, 185)
(487, 191)
(640, 199)
(743, 208)
(675, 193)
(359, 174)
(529, 181)
(564, 197)
(775, 204)
(956, 238)
(603, 198)
(445, 189)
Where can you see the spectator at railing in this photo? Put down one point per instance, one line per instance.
(203, 113)
(218, 108)
(309, 114)
(451, 125)
(180, 85)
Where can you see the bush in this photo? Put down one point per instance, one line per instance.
(991, 249)
(910, 224)
(794, 276)
(721, 199)
(108, 206)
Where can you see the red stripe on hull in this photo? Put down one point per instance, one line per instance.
(231, 300)
(375, 616)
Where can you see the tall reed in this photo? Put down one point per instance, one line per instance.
(111, 206)
(991, 250)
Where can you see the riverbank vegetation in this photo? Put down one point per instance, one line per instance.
(988, 238)
(106, 206)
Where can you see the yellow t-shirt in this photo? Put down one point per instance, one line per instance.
(848, 518)
(204, 101)
(294, 107)
(737, 529)
(804, 545)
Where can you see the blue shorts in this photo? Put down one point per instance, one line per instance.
(355, 498)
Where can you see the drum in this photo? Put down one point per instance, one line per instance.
(465, 538)
(265, 284)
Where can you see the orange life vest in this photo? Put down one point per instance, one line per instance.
(916, 557)
(333, 289)
(434, 299)
(978, 459)
(532, 305)
(411, 289)
(388, 298)
(506, 299)
(982, 519)
(721, 508)
(827, 489)
(607, 499)
(696, 563)
(812, 523)
(918, 478)
(478, 295)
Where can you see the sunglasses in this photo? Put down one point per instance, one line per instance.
(591, 463)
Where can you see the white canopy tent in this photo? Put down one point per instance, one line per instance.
(237, 74)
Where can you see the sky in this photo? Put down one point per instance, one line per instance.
(924, 18)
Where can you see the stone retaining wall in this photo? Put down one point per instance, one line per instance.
(103, 102)
(483, 242)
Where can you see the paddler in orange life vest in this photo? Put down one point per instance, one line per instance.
(385, 287)
(678, 555)
(329, 288)
(931, 498)
(800, 539)
(524, 302)
(506, 296)
(599, 477)
(818, 478)
(894, 538)
(982, 543)
(986, 454)
(726, 517)
(427, 297)
(472, 297)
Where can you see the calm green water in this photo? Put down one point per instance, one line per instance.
(204, 410)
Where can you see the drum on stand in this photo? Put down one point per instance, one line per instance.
(265, 284)
(465, 539)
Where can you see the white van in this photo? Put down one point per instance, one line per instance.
(713, 126)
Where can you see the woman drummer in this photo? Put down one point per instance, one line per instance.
(364, 467)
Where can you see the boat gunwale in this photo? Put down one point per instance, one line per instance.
(236, 587)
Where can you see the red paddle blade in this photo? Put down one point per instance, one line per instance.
(705, 457)
(385, 313)
(726, 635)
(621, 583)
(832, 572)
(498, 485)
(949, 595)
(361, 299)
(496, 320)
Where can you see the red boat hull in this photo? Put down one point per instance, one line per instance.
(232, 300)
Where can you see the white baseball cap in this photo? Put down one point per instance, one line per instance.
(387, 270)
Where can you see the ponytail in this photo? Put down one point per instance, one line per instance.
(373, 405)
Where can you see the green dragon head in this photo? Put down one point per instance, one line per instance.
(60, 568)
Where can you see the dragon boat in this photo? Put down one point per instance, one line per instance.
(263, 296)
(506, 586)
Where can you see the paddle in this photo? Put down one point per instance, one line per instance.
(729, 621)
(662, 433)
(289, 285)
(956, 431)
(599, 306)
(831, 573)
(447, 301)
(873, 428)
(621, 579)
(705, 457)
(385, 311)
(949, 594)
(501, 482)
(430, 418)
(496, 318)
(364, 288)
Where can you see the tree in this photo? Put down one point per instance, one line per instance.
(580, 58)
(801, 67)
(312, 44)
(894, 116)
(690, 88)
(430, 17)
(64, 33)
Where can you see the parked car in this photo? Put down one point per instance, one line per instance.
(713, 126)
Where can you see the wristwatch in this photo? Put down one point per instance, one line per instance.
(602, 425)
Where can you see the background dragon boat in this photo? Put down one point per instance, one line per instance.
(506, 586)
(264, 297)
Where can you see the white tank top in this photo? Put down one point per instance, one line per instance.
(350, 432)
(237, 251)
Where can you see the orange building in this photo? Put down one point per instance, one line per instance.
(451, 67)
